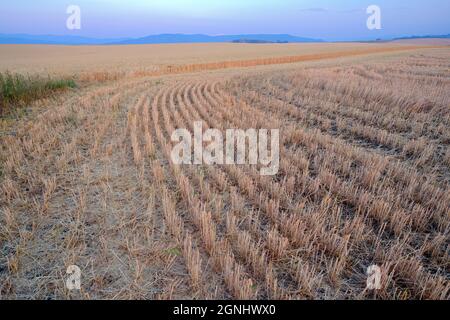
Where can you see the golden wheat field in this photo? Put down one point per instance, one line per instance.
(86, 177)
(93, 62)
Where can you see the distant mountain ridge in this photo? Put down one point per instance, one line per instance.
(175, 38)
(444, 36)
(152, 39)
(257, 41)
(52, 39)
(201, 38)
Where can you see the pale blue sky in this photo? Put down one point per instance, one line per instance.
(326, 19)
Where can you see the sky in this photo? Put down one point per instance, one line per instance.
(325, 19)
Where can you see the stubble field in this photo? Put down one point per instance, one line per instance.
(86, 178)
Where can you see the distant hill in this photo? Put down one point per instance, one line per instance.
(177, 38)
(201, 38)
(444, 36)
(153, 39)
(55, 40)
(256, 41)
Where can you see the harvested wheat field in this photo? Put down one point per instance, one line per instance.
(86, 179)
(115, 62)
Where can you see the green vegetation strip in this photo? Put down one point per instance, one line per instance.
(17, 90)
